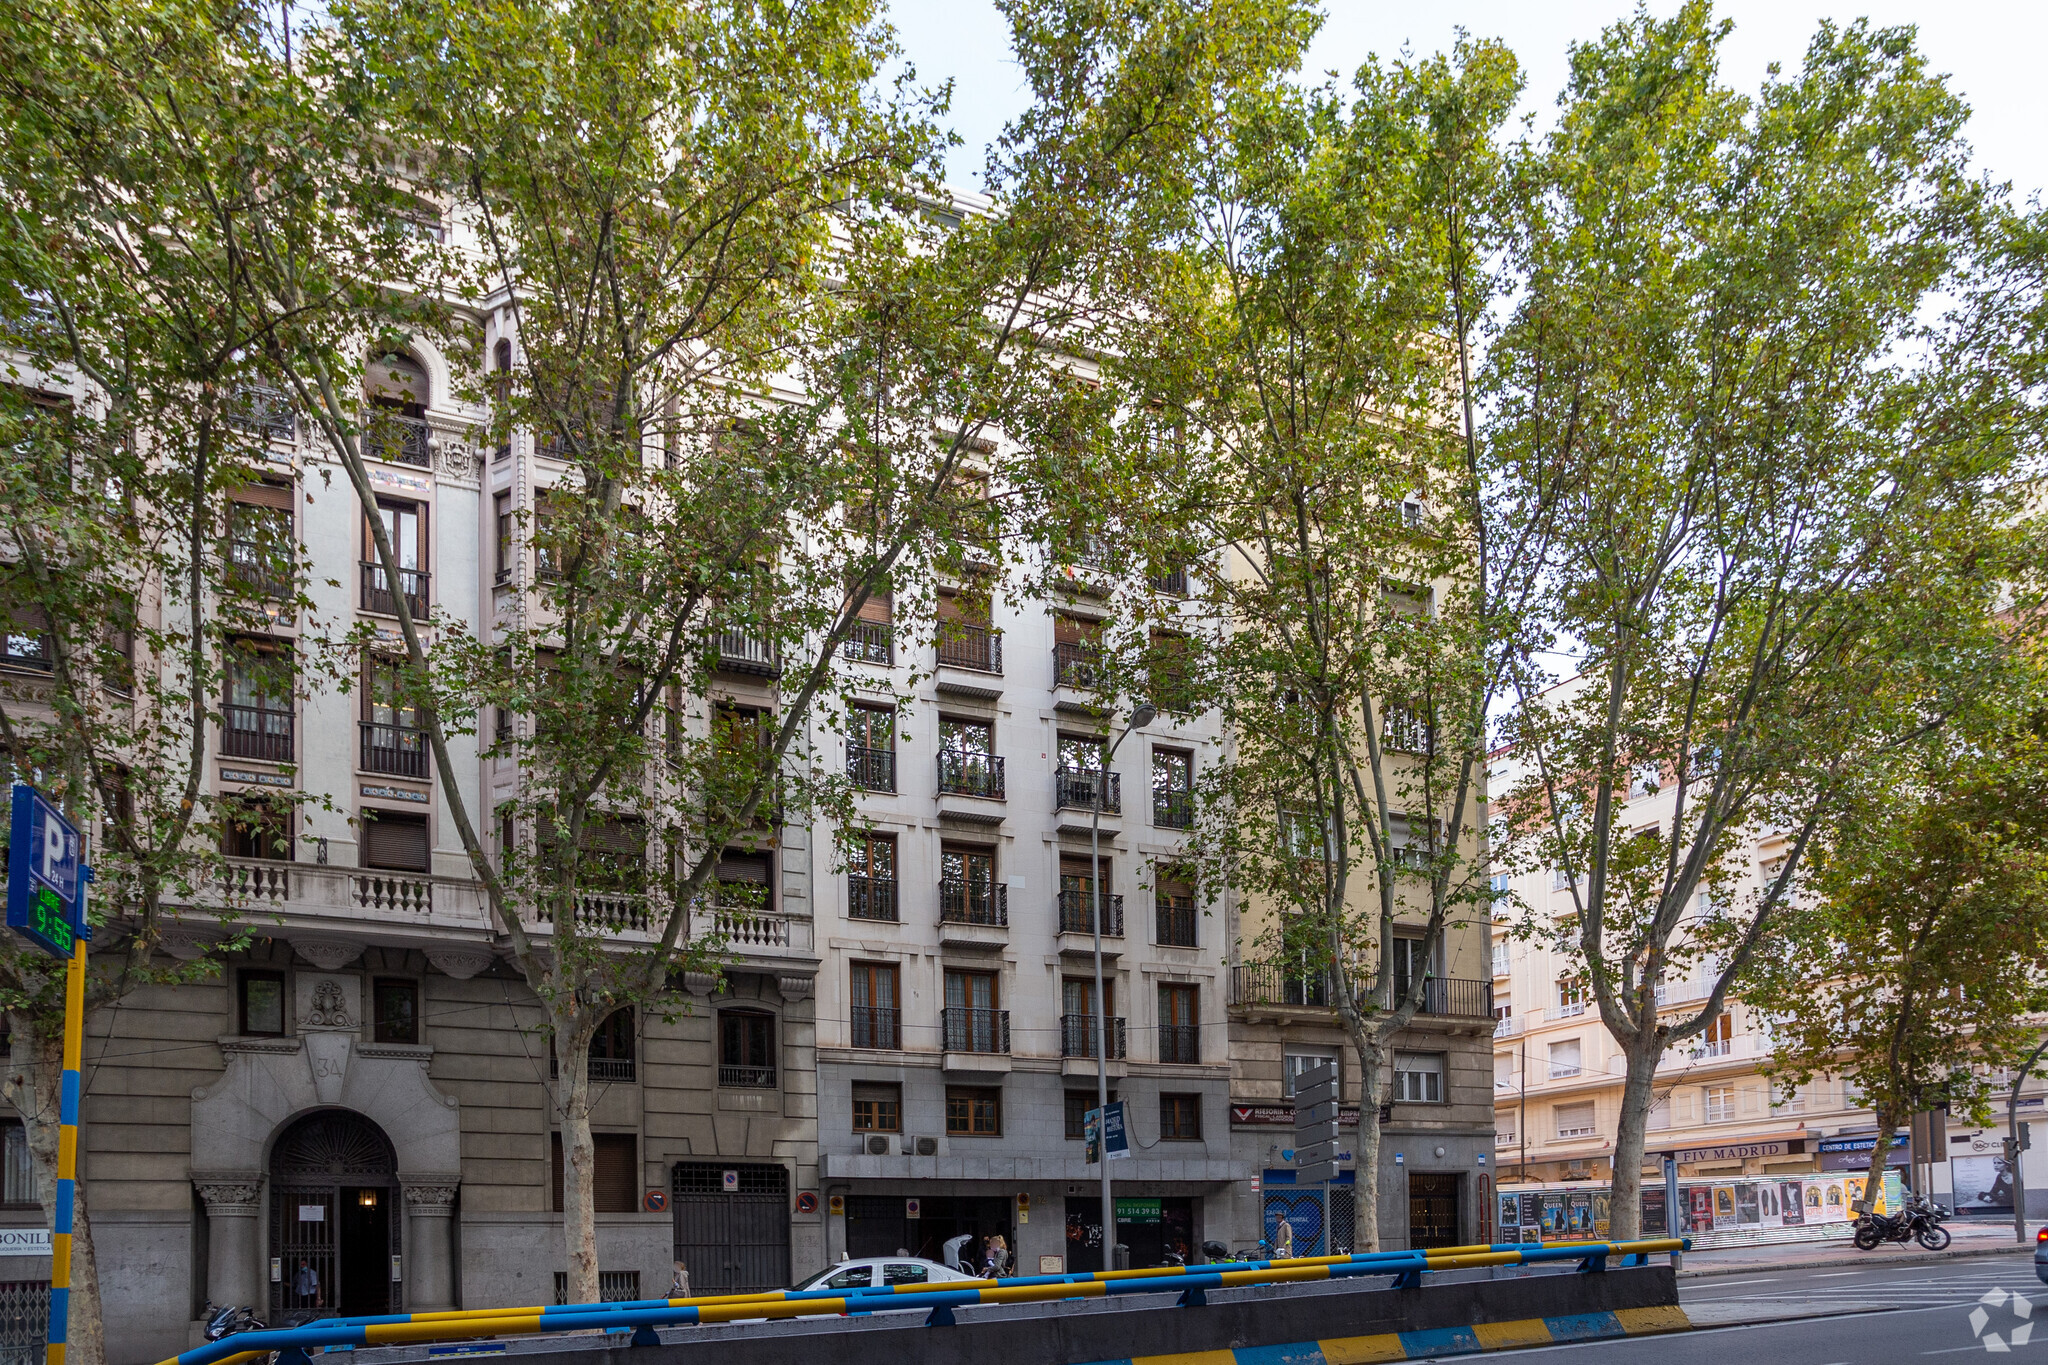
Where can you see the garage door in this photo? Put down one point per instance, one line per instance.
(733, 1235)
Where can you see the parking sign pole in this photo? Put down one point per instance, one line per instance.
(67, 1140)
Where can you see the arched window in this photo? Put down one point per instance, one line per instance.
(399, 383)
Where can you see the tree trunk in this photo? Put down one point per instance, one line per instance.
(34, 1088)
(579, 1162)
(1873, 1182)
(1372, 1056)
(1625, 1208)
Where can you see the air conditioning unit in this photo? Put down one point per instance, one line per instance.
(909, 1145)
(927, 1146)
(878, 1146)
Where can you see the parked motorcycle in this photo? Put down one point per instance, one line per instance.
(227, 1321)
(1918, 1221)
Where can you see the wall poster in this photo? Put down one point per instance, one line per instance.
(1793, 1196)
(1983, 1184)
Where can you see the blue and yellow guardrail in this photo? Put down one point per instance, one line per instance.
(641, 1317)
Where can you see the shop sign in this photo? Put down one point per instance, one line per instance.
(1734, 1151)
(1138, 1211)
(1280, 1116)
(24, 1241)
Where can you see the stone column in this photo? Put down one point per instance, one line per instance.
(234, 1269)
(429, 1261)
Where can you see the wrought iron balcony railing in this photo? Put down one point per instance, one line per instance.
(1077, 1036)
(1075, 788)
(377, 595)
(872, 770)
(877, 1026)
(1178, 922)
(968, 1029)
(974, 902)
(256, 732)
(965, 645)
(870, 642)
(1076, 665)
(1181, 1043)
(871, 897)
(962, 773)
(399, 750)
(1077, 912)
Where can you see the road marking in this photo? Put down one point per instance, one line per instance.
(1837, 1274)
(1767, 1279)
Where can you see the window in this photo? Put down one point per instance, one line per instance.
(1178, 921)
(1565, 1059)
(616, 1170)
(870, 641)
(1419, 1077)
(256, 710)
(1403, 730)
(1559, 879)
(252, 827)
(25, 642)
(1180, 1024)
(260, 541)
(871, 748)
(405, 527)
(1572, 995)
(877, 1108)
(547, 548)
(1294, 1063)
(1170, 671)
(966, 637)
(968, 765)
(871, 876)
(398, 1010)
(746, 1049)
(1077, 651)
(17, 1166)
(1720, 1103)
(1077, 898)
(1413, 963)
(972, 1021)
(501, 508)
(392, 740)
(394, 839)
(1173, 788)
(1079, 1102)
(974, 1111)
(1575, 1120)
(611, 1048)
(968, 893)
(905, 1272)
(874, 1012)
(1719, 1038)
(1180, 1117)
(261, 1003)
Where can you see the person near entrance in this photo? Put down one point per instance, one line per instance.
(307, 1284)
(953, 1246)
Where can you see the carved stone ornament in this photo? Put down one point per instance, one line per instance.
(229, 1198)
(461, 963)
(186, 945)
(330, 1007)
(328, 954)
(796, 987)
(700, 983)
(454, 459)
(429, 1199)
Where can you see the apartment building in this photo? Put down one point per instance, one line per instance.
(353, 1114)
(957, 1006)
(1750, 1153)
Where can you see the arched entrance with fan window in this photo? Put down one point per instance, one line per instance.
(334, 1220)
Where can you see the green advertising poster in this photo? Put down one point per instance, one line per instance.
(1137, 1211)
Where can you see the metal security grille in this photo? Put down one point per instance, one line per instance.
(733, 1241)
(24, 1318)
(1432, 1209)
(1343, 1221)
(317, 1159)
(304, 1227)
(613, 1286)
(1304, 1213)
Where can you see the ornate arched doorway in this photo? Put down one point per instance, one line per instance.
(334, 1222)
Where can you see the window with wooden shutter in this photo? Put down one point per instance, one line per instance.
(394, 839)
(616, 1182)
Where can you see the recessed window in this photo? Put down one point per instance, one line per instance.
(1720, 1103)
(1180, 1117)
(17, 1166)
(974, 1111)
(1575, 1120)
(398, 1010)
(1419, 1077)
(616, 1172)
(261, 1003)
(394, 839)
(877, 1108)
(746, 1049)
(1079, 1102)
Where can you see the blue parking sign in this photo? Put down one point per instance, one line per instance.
(45, 873)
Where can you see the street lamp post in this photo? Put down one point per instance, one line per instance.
(1142, 716)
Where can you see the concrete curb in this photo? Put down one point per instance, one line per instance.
(1876, 1259)
(1429, 1343)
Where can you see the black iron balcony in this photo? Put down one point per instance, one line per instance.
(871, 897)
(870, 642)
(397, 439)
(1077, 910)
(974, 902)
(872, 770)
(746, 1077)
(400, 750)
(965, 645)
(964, 773)
(256, 732)
(1077, 1036)
(1266, 983)
(1173, 809)
(255, 568)
(1180, 1043)
(1174, 582)
(1177, 922)
(1075, 788)
(877, 1026)
(264, 412)
(1441, 997)
(975, 1030)
(377, 591)
(612, 1069)
(1076, 665)
(739, 652)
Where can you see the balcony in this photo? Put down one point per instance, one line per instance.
(1077, 1036)
(1564, 1071)
(871, 770)
(870, 642)
(1077, 912)
(602, 912)
(1441, 997)
(1265, 983)
(1172, 583)
(872, 898)
(1507, 1026)
(1181, 1044)
(1173, 810)
(256, 732)
(1500, 959)
(878, 1026)
(1075, 789)
(1076, 664)
(1178, 922)
(377, 596)
(255, 880)
(976, 648)
(967, 1029)
(263, 412)
(1571, 1010)
(970, 774)
(397, 750)
(745, 927)
(974, 903)
(746, 1077)
(739, 652)
(397, 439)
(252, 569)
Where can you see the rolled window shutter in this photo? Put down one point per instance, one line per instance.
(395, 841)
(617, 1177)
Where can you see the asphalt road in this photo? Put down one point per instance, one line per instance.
(1886, 1315)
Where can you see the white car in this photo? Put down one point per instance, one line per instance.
(875, 1271)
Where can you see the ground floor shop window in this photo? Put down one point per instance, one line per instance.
(881, 1225)
(1150, 1225)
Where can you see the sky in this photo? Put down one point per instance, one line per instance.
(1992, 51)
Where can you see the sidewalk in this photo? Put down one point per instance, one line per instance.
(1972, 1237)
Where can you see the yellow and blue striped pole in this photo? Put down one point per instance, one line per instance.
(67, 1137)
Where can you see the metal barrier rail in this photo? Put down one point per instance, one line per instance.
(1192, 1282)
